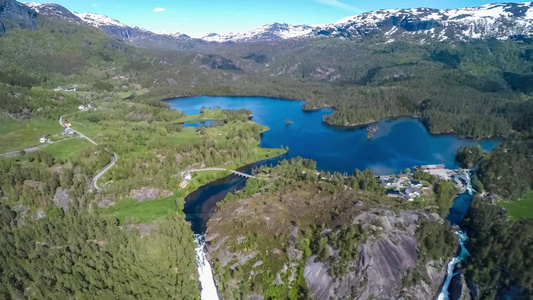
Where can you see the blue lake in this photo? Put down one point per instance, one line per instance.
(399, 143)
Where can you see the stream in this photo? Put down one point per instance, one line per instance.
(199, 207)
(455, 216)
(398, 144)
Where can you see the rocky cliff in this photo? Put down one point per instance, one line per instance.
(383, 262)
(16, 15)
(264, 243)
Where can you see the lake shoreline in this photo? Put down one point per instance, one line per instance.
(368, 124)
(339, 126)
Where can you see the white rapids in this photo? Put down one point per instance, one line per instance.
(444, 295)
(463, 238)
(207, 282)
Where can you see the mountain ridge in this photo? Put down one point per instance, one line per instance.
(496, 20)
(133, 34)
(485, 21)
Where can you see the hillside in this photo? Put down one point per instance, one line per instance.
(423, 25)
(296, 236)
(402, 76)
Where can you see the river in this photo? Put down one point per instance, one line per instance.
(399, 143)
(456, 216)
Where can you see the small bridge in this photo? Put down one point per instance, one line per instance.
(219, 169)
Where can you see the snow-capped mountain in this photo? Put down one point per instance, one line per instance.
(492, 20)
(269, 32)
(55, 10)
(501, 20)
(133, 34)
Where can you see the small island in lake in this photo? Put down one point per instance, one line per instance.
(370, 132)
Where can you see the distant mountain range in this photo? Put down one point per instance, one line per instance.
(133, 34)
(500, 21)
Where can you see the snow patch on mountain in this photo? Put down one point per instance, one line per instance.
(499, 20)
(97, 20)
(274, 31)
(33, 5)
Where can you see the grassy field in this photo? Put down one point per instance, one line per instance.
(265, 153)
(131, 211)
(519, 210)
(17, 135)
(124, 95)
(81, 124)
(208, 114)
(67, 149)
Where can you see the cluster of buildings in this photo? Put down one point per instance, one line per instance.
(460, 179)
(402, 185)
(67, 125)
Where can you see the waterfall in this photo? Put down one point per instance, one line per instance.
(207, 282)
(463, 254)
(444, 295)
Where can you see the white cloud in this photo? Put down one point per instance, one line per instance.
(338, 4)
(159, 9)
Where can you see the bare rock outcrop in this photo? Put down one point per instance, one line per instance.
(147, 194)
(62, 199)
(382, 262)
(104, 201)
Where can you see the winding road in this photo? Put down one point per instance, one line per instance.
(114, 158)
(94, 183)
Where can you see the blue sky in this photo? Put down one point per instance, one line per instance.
(200, 17)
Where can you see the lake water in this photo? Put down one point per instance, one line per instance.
(399, 143)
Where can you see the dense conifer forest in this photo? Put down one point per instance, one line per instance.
(500, 263)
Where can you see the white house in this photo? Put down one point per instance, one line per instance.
(69, 131)
(44, 139)
(81, 107)
(411, 194)
(58, 89)
(187, 175)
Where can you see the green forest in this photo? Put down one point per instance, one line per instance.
(63, 240)
(87, 256)
(500, 262)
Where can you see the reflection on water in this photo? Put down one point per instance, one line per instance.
(399, 143)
